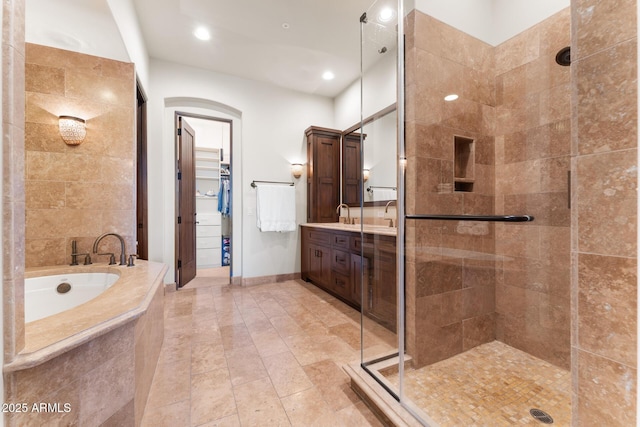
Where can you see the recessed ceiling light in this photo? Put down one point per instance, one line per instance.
(328, 75)
(386, 14)
(286, 25)
(202, 33)
(451, 97)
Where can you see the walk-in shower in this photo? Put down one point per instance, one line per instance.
(482, 289)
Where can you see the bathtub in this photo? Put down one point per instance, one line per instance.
(99, 355)
(45, 296)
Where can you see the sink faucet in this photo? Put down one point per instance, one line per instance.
(386, 209)
(123, 256)
(343, 205)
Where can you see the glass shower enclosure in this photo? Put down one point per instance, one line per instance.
(480, 293)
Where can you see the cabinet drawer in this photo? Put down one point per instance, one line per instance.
(340, 284)
(207, 258)
(209, 219)
(208, 231)
(356, 244)
(340, 241)
(208, 242)
(340, 261)
(321, 237)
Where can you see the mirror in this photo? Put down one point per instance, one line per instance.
(379, 159)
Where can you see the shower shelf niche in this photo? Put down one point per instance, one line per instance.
(464, 164)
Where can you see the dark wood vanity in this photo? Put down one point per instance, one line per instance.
(353, 267)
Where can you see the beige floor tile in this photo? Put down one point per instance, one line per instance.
(235, 356)
(287, 376)
(230, 421)
(176, 414)
(207, 356)
(333, 384)
(259, 405)
(211, 397)
(268, 342)
(235, 336)
(357, 415)
(245, 365)
(171, 383)
(308, 408)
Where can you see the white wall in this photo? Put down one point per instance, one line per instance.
(3, 245)
(85, 27)
(492, 21)
(271, 137)
(379, 92)
(124, 15)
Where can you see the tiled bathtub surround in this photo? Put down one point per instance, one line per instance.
(78, 192)
(99, 357)
(604, 245)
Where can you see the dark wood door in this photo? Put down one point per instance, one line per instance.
(323, 174)
(351, 169)
(141, 176)
(186, 220)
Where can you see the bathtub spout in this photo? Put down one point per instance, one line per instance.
(123, 250)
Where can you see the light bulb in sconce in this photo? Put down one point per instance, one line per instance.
(72, 129)
(296, 170)
(365, 174)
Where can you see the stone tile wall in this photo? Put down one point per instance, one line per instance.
(604, 241)
(78, 192)
(533, 152)
(450, 265)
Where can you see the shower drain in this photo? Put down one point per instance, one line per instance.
(541, 416)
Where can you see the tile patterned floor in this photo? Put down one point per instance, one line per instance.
(499, 389)
(267, 355)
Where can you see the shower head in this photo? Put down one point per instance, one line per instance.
(564, 56)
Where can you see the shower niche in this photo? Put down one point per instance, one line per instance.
(463, 163)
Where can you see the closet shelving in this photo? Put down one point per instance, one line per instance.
(208, 229)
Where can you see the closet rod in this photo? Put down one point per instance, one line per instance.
(255, 183)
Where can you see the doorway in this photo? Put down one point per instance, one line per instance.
(203, 247)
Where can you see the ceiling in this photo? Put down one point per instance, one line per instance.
(248, 38)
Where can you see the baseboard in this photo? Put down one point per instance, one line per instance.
(262, 280)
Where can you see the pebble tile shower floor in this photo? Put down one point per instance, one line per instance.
(267, 355)
(490, 385)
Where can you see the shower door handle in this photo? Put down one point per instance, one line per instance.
(492, 218)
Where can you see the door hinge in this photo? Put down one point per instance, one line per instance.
(179, 176)
(179, 131)
(179, 264)
(179, 220)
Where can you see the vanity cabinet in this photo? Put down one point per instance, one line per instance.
(354, 269)
(323, 174)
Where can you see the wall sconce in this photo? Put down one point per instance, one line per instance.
(72, 129)
(365, 174)
(296, 169)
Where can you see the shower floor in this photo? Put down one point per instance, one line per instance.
(490, 385)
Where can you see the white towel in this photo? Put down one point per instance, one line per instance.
(385, 194)
(276, 207)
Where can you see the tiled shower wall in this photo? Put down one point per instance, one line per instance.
(533, 149)
(470, 283)
(78, 192)
(604, 246)
(450, 266)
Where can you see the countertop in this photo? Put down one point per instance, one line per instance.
(384, 230)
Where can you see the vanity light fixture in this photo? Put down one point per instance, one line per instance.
(72, 129)
(365, 174)
(296, 169)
